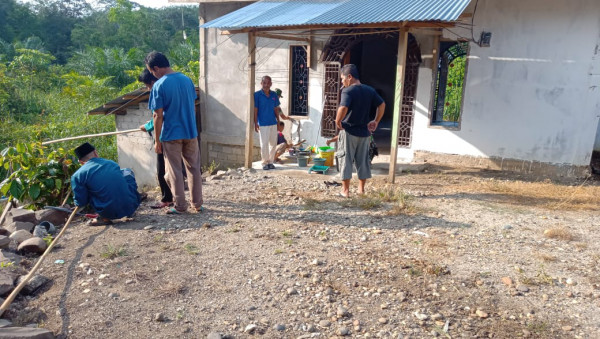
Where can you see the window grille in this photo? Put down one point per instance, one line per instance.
(449, 83)
(299, 88)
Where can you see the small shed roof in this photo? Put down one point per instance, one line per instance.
(120, 104)
(297, 13)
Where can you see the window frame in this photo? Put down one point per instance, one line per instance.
(435, 70)
(290, 94)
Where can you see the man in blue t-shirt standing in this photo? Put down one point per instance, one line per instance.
(352, 119)
(172, 100)
(266, 119)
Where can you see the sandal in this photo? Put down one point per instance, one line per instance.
(99, 222)
(199, 210)
(172, 210)
(161, 205)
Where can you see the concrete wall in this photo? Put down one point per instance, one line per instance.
(136, 150)
(534, 94)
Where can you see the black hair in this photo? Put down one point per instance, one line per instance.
(350, 69)
(281, 123)
(146, 77)
(156, 59)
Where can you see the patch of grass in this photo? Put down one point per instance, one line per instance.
(111, 252)
(158, 238)
(191, 249)
(278, 251)
(172, 289)
(287, 233)
(400, 201)
(364, 202)
(289, 242)
(541, 278)
(547, 257)
(211, 168)
(6, 264)
(560, 233)
(311, 204)
(233, 230)
(538, 327)
(581, 246)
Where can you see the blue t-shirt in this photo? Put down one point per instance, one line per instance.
(266, 107)
(359, 99)
(175, 94)
(101, 183)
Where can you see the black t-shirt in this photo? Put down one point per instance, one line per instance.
(359, 99)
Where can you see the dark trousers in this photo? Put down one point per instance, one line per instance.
(165, 191)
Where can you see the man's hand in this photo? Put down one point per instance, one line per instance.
(143, 128)
(158, 148)
(372, 126)
(256, 128)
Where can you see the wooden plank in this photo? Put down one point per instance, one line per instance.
(250, 119)
(282, 37)
(398, 96)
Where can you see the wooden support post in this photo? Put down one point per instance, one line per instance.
(250, 118)
(202, 82)
(398, 94)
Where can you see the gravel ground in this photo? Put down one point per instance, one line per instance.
(277, 254)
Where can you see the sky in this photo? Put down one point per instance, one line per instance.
(146, 3)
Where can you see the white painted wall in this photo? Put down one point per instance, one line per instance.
(531, 95)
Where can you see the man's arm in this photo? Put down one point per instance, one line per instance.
(256, 119)
(341, 114)
(373, 123)
(80, 193)
(158, 121)
(279, 113)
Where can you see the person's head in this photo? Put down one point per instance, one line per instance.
(85, 152)
(266, 83)
(280, 126)
(157, 63)
(349, 75)
(147, 78)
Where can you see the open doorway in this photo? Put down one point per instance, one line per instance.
(375, 55)
(595, 163)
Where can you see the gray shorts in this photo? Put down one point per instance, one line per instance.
(353, 150)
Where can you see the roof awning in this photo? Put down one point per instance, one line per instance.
(285, 14)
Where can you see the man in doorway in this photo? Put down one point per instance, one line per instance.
(352, 119)
(266, 118)
(110, 190)
(175, 133)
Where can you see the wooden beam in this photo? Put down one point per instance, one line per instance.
(112, 105)
(282, 37)
(398, 96)
(250, 117)
(202, 82)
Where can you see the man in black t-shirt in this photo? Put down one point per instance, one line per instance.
(352, 120)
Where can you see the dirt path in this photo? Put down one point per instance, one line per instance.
(446, 252)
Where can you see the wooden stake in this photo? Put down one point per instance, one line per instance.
(18, 289)
(91, 136)
(6, 209)
(250, 116)
(66, 197)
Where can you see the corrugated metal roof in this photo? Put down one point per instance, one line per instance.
(275, 13)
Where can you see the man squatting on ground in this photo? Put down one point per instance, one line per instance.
(352, 120)
(172, 101)
(110, 190)
(266, 119)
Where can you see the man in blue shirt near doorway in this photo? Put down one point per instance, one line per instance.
(266, 119)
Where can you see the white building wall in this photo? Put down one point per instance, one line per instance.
(531, 95)
(136, 150)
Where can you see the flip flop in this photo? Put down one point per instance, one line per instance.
(341, 195)
(172, 210)
(99, 222)
(199, 210)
